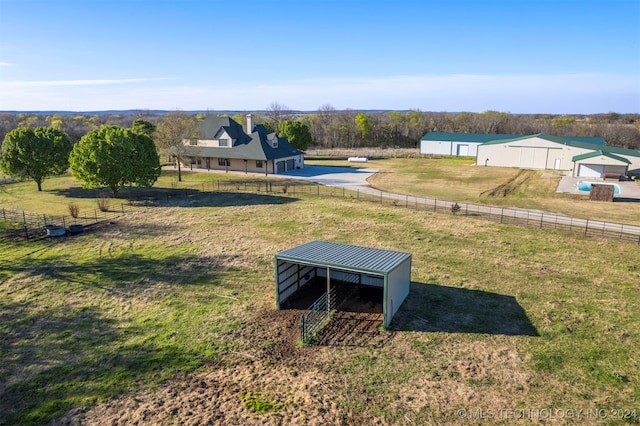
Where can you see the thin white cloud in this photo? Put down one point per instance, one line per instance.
(5, 64)
(57, 83)
(541, 93)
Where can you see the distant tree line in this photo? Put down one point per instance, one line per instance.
(331, 128)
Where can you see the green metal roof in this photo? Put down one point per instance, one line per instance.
(345, 256)
(465, 137)
(574, 142)
(599, 153)
(490, 138)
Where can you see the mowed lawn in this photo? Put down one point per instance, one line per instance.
(130, 315)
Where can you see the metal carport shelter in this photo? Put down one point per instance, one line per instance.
(391, 270)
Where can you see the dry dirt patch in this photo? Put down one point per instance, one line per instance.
(269, 379)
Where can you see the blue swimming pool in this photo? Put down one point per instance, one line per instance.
(584, 186)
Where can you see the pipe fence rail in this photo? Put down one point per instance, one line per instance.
(318, 315)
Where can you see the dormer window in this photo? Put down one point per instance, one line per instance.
(273, 140)
(193, 142)
(223, 142)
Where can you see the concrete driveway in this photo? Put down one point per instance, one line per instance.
(628, 190)
(330, 175)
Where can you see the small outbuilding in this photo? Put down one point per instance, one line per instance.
(345, 265)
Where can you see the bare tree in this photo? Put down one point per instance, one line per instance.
(173, 131)
(276, 112)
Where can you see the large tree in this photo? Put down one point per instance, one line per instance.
(364, 125)
(35, 154)
(115, 157)
(143, 126)
(297, 133)
(171, 134)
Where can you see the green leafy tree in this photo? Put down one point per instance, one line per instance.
(297, 133)
(267, 126)
(171, 134)
(363, 124)
(115, 157)
(35, 154)
(143, 126)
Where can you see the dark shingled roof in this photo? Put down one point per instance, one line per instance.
(245, 147)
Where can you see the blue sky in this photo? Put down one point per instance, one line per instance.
(518, 56)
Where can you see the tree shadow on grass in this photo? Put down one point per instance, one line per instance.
(227, 199)
(179, 197)
(79, 348)
(437, 308)
(62, 357)
(126, 270)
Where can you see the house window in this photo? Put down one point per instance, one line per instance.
(222, 162)
(259, 164)
(274, 144)
(193, 141)
(223, 142)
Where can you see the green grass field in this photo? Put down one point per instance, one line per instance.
(458, 179)
(120, 323)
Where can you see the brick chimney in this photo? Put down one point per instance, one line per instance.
(249, 124)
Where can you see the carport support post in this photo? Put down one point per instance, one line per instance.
(328, 289)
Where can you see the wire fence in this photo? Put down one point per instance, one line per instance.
(513, 216)
(32, 222)
(34, 225)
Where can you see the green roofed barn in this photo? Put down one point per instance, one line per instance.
(569, 154)
(325, 265)
(581, 156)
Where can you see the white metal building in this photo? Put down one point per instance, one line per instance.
(456, 144)
(543, 151)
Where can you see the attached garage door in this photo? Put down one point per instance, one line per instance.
(291, 164)
(591, 170)
(280, 167)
